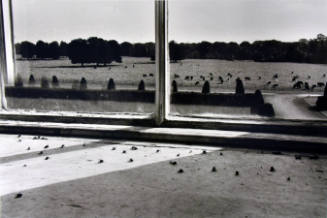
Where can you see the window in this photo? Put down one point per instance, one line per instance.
(248, 59)
(85, 56)
(197, 81)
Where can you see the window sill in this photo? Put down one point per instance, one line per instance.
(221, 138)
(119, 118)
(265, 125)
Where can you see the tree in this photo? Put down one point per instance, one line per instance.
(53, 50)
(139, 50)
(245, 51)
(63, 47)
(27, 49)
(17, 48)
(78, 51)
(232, 51)
(42, 50)
(150, 49)
(203, 48)
(175, 51)
(98, 51)
(114, 51)
(126, 49)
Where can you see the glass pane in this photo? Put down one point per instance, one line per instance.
(85, 56)
(248, 58)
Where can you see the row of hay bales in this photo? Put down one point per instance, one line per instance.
(239, 99)
(206, 87)
(82, 84)
(253, 100)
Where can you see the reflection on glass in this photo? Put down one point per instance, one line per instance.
(84, 56)
(251, 59)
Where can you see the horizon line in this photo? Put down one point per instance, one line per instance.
(186, 42)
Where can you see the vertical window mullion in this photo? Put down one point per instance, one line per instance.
(3, 63)
(162, 61)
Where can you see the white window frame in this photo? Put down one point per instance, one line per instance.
(161, 116)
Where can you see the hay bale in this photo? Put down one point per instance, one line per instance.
(263, 110)
(206, 88)
(83, 83)
(55, 82)
(44, 83)
(174, 86)
(141, 86)
(111, 84)
(259, 97)
(18, 81)
(31, 80)
(239, 87)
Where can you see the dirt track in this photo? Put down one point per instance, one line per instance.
(293, 106)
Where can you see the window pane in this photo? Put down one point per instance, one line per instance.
(248, 58)
(84, 56)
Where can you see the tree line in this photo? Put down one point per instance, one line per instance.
(84, 51)
(100, 51)
(302, 51)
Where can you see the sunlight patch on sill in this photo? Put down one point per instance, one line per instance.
(116, 115)
(64, 125)
(204, 119)
(194, 132)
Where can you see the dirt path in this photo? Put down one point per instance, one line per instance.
(292, 106)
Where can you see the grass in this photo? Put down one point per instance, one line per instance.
(220, 74)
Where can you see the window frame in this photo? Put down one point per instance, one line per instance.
(160, 116)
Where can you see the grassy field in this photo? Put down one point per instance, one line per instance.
(128, 74)
(190, 75)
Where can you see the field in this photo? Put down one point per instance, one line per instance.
(132, 70)
(275, 80)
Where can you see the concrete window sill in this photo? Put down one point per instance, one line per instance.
(221, 138)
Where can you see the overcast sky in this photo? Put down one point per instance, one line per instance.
(189, 20)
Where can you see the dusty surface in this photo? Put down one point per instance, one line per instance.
(78, 186)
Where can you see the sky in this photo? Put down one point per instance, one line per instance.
(189, 20)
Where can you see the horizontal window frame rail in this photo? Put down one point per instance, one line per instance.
(215, 138)
(291, 127)
(270, 125)
(118, 118)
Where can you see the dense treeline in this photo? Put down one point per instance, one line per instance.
(99, 51)
(302, 51)
(41, 50)
(93, 50)
(84, 51)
